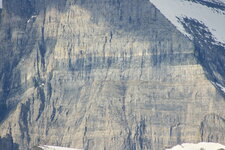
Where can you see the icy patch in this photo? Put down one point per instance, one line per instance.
(220, 86)
(46, 147)
(31, 18)
(199, 146)
(212, 18)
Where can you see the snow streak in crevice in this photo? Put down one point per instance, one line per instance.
(215, 4)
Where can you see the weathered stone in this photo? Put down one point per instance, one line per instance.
(212, 128)
(106, 74)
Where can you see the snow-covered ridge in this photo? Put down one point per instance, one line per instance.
(199, 146)
(211, 16)
(46, 147)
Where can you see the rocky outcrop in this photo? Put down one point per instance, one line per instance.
(107, 74)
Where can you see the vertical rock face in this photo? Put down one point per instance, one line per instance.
(102, 74)
(212, 128)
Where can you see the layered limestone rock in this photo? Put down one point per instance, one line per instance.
(104, 74)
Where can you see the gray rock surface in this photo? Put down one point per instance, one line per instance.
(212, 128)
(101, 74)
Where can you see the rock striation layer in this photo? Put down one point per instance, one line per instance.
(101, 74)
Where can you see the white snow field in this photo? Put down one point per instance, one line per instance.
(212, 17)
(199, 146)
(47, 147)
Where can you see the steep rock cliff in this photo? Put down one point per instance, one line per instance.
(101, 74)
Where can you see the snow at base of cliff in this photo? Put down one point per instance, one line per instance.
(199, 146)
(211, 13)
(46, 147)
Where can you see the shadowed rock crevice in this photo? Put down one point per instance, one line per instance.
(24, 124)
(6, 143)
(21, 8)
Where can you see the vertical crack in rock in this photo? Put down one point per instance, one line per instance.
(212, 128)
(41, 97)
(42, 44)
(139, 136)
(6, 89)
(23, 123)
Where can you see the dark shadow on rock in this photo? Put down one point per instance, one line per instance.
(27, 8)
(138, 17)
(6, 143)
(14, 51)
(36, 148)
(19, 8)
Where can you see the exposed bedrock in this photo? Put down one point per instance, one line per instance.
(101, 74)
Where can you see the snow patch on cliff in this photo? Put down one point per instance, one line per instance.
(47, 147)
(199, 146)
(176, 10)
(31, 18)
(220, 86)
